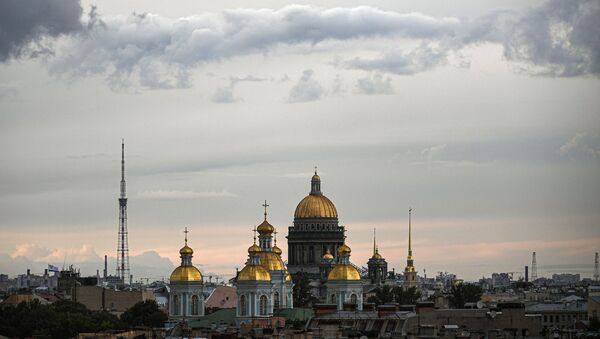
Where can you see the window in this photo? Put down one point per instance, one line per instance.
(333, 298)
(195, 305)
(176, 305)
(263, 305)
(242, 305)
(353, 298)
(276, 301)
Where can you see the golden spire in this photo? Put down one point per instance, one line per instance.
(409, 232)
(186, 232)
(374, 236)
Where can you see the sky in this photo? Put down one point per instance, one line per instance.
(483, 116)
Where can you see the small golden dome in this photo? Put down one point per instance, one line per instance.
(277, 250)
(328, 256)
(344, 250)
(270, 261)
(343, 272)
(377, 256)
(254, 249)
(254, 273)
(265, 228)
(186, 250)
(315, 206)
(316, 177)
(288, 276)
(186, 273)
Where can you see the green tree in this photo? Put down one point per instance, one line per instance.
(144, 313)
(383, 295)
(464, 293)
(303, 296)
(406, 297)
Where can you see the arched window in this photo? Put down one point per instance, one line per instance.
(333, 298)
(176, 304)
(353, 298)
(195, 305)
(276, 301)
(242, 305)
(263, 305)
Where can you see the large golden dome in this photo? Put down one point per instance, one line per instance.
(270, 261)
(186, 273)
(254, 273)
(343, 272)
(315, 206)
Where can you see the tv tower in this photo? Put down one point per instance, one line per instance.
(596, 272)
(123, 247)
(533, 268)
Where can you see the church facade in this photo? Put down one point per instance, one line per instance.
(316, 232)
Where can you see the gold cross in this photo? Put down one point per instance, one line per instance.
(186, 232)
(265, 205)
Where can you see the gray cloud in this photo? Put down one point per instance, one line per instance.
(581, 144)
(558, 38)
(418, 60)
(225, 94)
(306, 89)
(26, 22)
(375, 84)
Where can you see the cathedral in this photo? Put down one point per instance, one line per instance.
(316, 232)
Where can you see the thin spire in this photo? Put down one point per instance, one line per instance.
(374, 243)
(409, 231)
(186, 232)
(265, 205)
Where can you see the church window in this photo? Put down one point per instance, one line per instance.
(353, 298)
(176, 305)
(263, 305)
(195, 305)
(242, 305)
(276, 301)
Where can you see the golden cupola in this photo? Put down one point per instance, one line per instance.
(344, 270)
(254, 271)
(328, 256)
(269, 258)
(315, 205)
(186, 272)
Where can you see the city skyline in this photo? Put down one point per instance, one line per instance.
(482, 117)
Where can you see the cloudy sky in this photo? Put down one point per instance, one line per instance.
(484, 116)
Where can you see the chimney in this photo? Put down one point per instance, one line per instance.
(526, 273)
(28, 272)
(105, 267)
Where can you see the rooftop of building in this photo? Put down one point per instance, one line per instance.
(558, 307)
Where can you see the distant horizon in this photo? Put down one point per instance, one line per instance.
(483, 116)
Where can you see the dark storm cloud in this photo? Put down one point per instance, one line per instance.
(23, 22)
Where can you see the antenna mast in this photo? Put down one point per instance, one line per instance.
(123, 246)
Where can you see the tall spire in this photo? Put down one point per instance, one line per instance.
(409, 232)
(374, 244)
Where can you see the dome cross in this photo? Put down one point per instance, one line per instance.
(265, 205)
(186, 232)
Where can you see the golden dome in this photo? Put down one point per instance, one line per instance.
(315, 206)
(254, 248)
(186, 273)
(186, 250)
(270, 261)
(344, 250)
(265, 228)
(254, 273)
(288, 276)
(343, 272)
(277, 250)
(316, 177)
(377, 256)
(328, 256)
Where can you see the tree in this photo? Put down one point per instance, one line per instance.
(383, 295)
(303, 296)
(144, 313)
(464, 293)
(406, 297)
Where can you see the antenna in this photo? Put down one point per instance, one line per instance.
(122, 244)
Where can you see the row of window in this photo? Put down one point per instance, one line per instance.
(177, 305)
(353, 299)
(317, 227)
(564, 317)
(302, 255)
(262, 304)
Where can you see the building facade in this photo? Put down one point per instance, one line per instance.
(343, 282)
(186, 298)
(315, 231)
